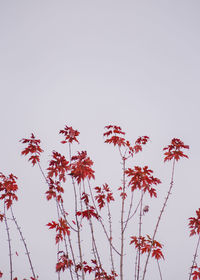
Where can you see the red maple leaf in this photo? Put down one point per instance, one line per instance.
(8, 186)
(61, 227)
(81, 167)
(114, 136)
(144, 244)
(104, 195)
(142, 179)
(58, 166)
(88, 213)
(70, 134)
(63, 263)
(196, 273)
(194, 223)
(33, 148)
(115, 139)
(85, 198)
(157, 254)
(174, 150)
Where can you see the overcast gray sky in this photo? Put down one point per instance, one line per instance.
(88, 64)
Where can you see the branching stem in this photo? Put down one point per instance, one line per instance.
(24, 242)
(122, 219)
(159, 218)
(9, 243)
(195, 256)
(140, 234)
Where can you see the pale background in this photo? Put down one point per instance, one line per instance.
(88, 64)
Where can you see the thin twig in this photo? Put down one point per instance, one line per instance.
(159, 269)
(140, 234)
(195, 256)
(122, 220)
(64, 215)
(76, 218)
(110, 231)
(133, 214)
(92, 233)
(23, 240)
(159, 218)
(9, 243)
(101, 222)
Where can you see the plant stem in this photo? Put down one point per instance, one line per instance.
(159, 218)
(77, 221)
(159, 270)
(25, 245)
(110, 231)
(195, 256)
(122, 220)
(132, 215)
(136, 260)
(61, 208)
(100, 220)
(9, 243)
(140, 234)
(94, 246)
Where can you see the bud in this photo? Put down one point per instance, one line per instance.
(145, 209)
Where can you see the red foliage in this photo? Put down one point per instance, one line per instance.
(173, 151)
(63, 263)
(100, 273)
(123, 195)
(196, 273)
(8, 186)
(141, 178)
(1, 274)
(88, 213)
(85, 267)
(70, 134)
(55, 190)
(103, 194)
(114, 139)
(139, 142)
(194, 224)
(62, 228)
(145, 245)
(81, 167)
(58, 166)
(114, 134)
(33, 148)
(1, 217)
(85, 198)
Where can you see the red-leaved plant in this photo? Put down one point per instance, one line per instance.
(94, 209)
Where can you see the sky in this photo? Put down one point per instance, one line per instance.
(88, 64)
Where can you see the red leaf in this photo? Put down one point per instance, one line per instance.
(1, 217)
(8, 186)
(174, 150)
(123, 195)
(196, 273)
(81, 167)
(33, 148)
(89, 213)
(194, 223)
(142, 179)
(157, 254)
(61, 227)
(58, 167)
(70, 134)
